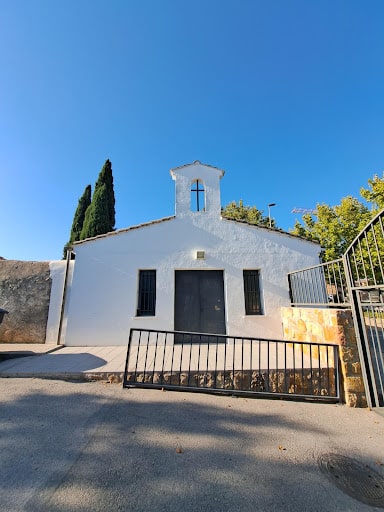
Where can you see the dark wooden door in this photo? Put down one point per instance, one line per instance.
(199, 301)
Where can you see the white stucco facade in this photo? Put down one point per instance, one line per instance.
(61, 275)
(103, 292)
(57, 275)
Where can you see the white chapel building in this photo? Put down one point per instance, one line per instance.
(195, 271)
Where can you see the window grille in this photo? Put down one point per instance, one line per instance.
(252, 292)
(147, 293)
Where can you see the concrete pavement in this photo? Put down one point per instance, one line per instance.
(70, 446)
(52, 361)
(81, 446)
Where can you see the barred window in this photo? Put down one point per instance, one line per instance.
(146, 302)
(252, 292)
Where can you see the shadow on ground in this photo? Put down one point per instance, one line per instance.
(91, 446)
(55, 362)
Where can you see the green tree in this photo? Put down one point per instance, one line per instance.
(243, 213)
(96, 220)
(106, 178)
(78, 219)
(335, 227)
(100, 215)
(374, 194)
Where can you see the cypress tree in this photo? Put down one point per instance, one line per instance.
(106, 178)
(96, 221)
(95, 217)
(78, 219)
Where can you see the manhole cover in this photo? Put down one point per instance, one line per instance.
(354, 478)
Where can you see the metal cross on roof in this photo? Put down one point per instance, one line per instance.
(199, 194)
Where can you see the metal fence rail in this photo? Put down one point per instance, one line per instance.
(365, 255)
(355, 281)
(321, 285)
(232, 365)
(364, 260)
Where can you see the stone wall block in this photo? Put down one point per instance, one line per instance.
(332, 334)
(356, 400)
(288, 312)
(356, 367)
(354, 385)
(301, 326)
(350, 335)
(25, 288)
(333, 326)
(318, 316)
(347, 354)
(316, 333)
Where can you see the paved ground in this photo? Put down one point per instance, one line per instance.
(79, 446)
(94, 446)
(52, 361)
(27, 348)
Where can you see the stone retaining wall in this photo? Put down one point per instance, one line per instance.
(25, 288)
(333, 326)
(305, 382)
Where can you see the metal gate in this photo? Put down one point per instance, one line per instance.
(364, 263)
(231, 365)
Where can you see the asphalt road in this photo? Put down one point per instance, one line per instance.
(69, 446)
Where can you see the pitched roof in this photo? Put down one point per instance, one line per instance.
(124, 230)
(165, 219)
(197, 162)
(275, 230)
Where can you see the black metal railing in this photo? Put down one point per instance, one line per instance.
(323, 285)
(365, 263)
(232, 365)
(365, 255)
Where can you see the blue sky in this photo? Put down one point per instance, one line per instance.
(285, 95)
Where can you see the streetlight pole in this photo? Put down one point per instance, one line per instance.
(269, 213)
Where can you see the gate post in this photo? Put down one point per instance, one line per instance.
(359, 333)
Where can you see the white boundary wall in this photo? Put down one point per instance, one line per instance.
(57, 274)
